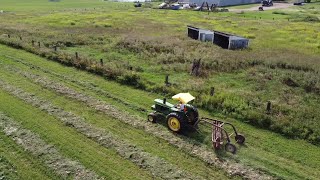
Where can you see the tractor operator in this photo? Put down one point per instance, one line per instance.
(180, 106)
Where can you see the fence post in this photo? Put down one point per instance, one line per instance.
(212, 91)
(101, 62)
(167, 80)
(198, 67)
(77, 55)
(268, 107)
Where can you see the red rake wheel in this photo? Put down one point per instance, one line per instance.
(240, 139)
(231, 148)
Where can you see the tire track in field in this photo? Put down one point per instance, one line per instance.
(157, 166)
(200, 151)
(31, 142)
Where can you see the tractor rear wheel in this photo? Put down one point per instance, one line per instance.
(175, 122)
(193, 115)
(152, 117)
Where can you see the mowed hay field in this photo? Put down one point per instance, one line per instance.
(63, 116)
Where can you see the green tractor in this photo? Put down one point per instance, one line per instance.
(181, 116)
(177, 119)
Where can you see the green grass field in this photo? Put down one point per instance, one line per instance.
(267, 151)
(139, 46)
(15, 163)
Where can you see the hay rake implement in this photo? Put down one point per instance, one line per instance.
(220, 135)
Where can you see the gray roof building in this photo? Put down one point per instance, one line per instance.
(222, 39)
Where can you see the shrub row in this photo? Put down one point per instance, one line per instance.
(82, 63)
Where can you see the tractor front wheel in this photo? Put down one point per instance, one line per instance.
(175, 122)
(152, 117)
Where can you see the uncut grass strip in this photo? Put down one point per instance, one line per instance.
(157, 166)
(31, 142)
(200, 151)
(7, 169)
(16, 163)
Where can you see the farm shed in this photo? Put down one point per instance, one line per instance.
(224, 40)
(220, 2)
(193, 32)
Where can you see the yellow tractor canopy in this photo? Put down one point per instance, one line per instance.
(183, 97)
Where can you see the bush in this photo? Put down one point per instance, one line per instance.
(107, 26)
(131, 79)
(311, 18)
(290, 82)
(280, 12)
(312, 86)
(305, 18)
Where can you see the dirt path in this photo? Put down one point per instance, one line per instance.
(256, 8)
(200, 151)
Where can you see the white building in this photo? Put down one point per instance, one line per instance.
(221, 2)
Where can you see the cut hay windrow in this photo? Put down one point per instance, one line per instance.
(200, 151)
(157, 166)
(31, 142)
